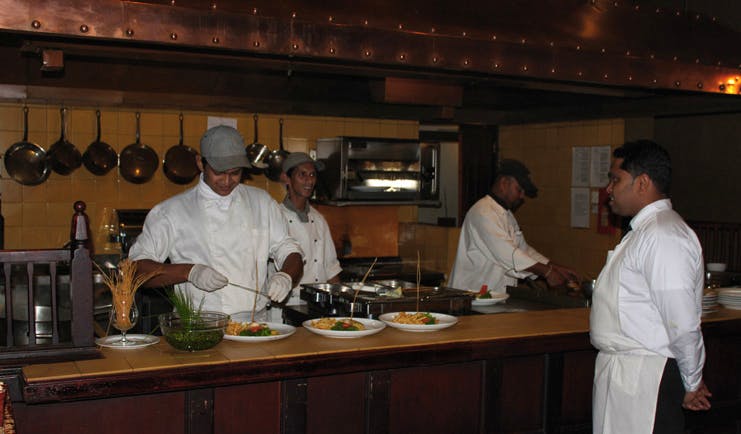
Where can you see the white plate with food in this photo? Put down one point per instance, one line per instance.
(257, 332)
(494, 298)
(342, 328)
(133, 341)
(418, 321)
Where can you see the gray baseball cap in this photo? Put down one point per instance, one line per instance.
(295, 158)
(223, 148)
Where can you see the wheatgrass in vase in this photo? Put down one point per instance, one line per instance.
(123, 282)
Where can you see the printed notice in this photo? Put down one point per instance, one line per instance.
(600, 165)
(580, 207)
(579, 166)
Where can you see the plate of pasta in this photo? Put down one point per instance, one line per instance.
(257, 332)
(418, 321)
(344, 328)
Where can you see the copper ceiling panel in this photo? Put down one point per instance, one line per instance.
(590, 42)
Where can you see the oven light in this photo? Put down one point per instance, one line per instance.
(393, 184)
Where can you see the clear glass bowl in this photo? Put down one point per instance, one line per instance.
(196, 335)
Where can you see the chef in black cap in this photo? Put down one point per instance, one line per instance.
(491, 249)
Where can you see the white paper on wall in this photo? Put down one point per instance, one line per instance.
(579, 166)
(599, 166)
(580, 207)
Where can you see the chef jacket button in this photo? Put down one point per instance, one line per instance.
(290, 221)
(314, 260)
(304, 261)
(315, 241)
(316, 280)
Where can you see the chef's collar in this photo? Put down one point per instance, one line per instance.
(211, 198)
(649, 210)
(303, 215)
(502, 203)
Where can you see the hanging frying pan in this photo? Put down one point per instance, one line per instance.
(99, 157)
(64, 157)
(137, 162)
(276, 158)
(257, 153)
(180, 161)
(27, 162)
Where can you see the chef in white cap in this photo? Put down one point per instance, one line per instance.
(219, 233)
(306, 224)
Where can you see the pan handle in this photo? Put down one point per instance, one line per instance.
(138, 135)
(181, 129)
(255, 118)
(25, 124)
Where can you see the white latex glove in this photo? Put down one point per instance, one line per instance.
(206, 278)
(279, 286)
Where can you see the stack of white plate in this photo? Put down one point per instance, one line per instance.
(709, 302)
(730, 298)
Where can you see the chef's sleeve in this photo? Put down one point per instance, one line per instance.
(282, 243)
(676, 290)
(491, 238)
(155, 240)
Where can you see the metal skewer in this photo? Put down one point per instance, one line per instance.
(254, 291)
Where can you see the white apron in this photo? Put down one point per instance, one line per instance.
(626, 376)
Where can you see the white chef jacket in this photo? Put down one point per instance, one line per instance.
(235, 235)
(320, 256)
(491, 249)
(646, 306)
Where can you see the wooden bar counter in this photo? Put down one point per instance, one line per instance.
(515, 372)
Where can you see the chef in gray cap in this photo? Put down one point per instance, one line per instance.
(491, 249)
(220, 232)
(306, 224)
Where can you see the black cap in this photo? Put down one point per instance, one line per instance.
(521, 173)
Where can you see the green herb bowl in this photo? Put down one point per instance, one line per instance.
(194, 334)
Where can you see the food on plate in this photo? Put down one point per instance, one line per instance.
(573, 285)
(344, 324)
(483, 292)
(419, 318)
(249, 329)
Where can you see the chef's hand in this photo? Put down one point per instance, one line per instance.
(279, 286)
(559, 275)
(697, 400)
(206, 278)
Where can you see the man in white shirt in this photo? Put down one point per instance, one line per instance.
(306, 224)
(646, 305)
(218, 233)
(491, 249)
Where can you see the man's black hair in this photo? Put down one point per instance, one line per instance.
(646, 156)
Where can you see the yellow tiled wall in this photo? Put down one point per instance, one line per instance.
(39, 216)
(546, 149)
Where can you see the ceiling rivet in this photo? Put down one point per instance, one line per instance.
(432, 30)
(493, 37)
(435, 59)
(174, 36)
(293, 14)
(213, 6)
(331, 50)
(215, 40)
(400, 26)
(402, 57)
(551, 44)
(722, 87)
(675, 58)
(129, 32)
(84, 28)
(464, 34)
(331, 19)
(367, 53)
(630, 78)
(254, 11)
(36, 24)
(524, 68)
(255, 44)
(294, 46)
(699, 85)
